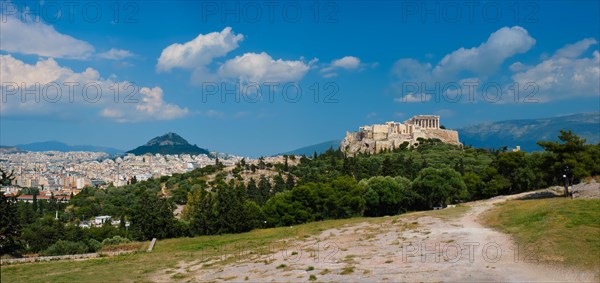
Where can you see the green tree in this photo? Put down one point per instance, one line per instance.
(569, 152)
(10, 228)
(474, 185)
(508, 164)
(440, 187)
(346, 199)
(43, 233)
(199, 210)
(290, 182)
(6, 178)
(252, 191)
(264, 190)
(387, 195)
(152, 217)
(279, 184)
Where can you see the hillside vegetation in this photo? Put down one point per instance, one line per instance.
(299, 190)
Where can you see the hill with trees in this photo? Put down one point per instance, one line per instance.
(332, 185)
(170, 143)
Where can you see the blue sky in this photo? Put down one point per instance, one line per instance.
(370, 61)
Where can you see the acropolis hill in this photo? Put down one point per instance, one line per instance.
(378, 137)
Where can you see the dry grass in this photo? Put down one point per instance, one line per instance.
(135, 246)
(588, 180)
(206, 250)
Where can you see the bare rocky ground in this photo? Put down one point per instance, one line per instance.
(589, 189)
(414, 248)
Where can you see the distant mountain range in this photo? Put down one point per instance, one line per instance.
(170, 143)
(311, 149)
(527, 132)
(511, 133)
(9, 149)
(59, 146)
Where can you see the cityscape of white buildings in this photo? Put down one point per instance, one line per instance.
(72, 171)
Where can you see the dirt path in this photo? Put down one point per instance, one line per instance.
(413, 248)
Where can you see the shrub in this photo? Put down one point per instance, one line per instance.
(94, 245)
(115, 241)
(66, 248)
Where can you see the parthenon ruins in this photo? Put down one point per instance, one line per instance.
(374, 138)
(425, 121)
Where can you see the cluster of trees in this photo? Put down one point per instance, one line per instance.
(224, 209)
(340, 198)
(327, 186)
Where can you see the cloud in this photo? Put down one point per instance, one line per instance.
(200, 51)
(572, 51)
(37, 38)
(211, 113)
(151, 106)
(411, 97)
(198, 54)
(487, 57)
(446, 113)
(565, 74)
(115, 54)
(473, 64)
(411, 70)
(261, 67)
(346, 63)
(518, 67)
(52, 91)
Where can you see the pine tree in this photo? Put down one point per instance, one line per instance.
(279, 184)
(9, 226)
(252, 190)
(35, 203)
(224, 206)
(286, 167)
(264, 190)
(387, 167)
(41, 208)
(152, 217)
(290, 182)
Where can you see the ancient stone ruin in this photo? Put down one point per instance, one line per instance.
(391, 135)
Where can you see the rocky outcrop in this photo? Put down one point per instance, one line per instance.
(391, 135)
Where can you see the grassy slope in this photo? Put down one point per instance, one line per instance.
(560, 231)
(167, 253)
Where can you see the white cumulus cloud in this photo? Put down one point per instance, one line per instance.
(151, 106)
(47, 90)
(37, 38)
(115, 54)
(346, 63)
(261, 67)
(480, 62)
(566, 74)
(487, 57)
(200, 51)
